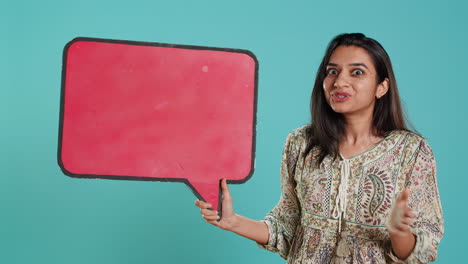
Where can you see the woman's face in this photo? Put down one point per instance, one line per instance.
(350, 85)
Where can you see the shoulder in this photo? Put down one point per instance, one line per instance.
(300, 131)
(413, 144)
(298, 135)
(409, 138)
(296, 140)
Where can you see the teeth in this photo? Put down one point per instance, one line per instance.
(341, 96)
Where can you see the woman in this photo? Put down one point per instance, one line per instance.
(357, 185)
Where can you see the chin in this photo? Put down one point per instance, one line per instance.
(340, 110)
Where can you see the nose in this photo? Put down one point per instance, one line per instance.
(340, 80)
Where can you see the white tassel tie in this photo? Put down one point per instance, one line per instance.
(339, 212)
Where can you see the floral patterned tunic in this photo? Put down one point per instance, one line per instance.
(302, 228)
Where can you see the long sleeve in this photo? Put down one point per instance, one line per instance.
(424, 199)
(284, 218)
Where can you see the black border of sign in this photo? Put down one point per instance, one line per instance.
(122, 177)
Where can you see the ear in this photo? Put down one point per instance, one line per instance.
(382, 88)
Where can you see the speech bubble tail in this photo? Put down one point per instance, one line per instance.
(208, 192)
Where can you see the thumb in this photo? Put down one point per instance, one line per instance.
(404, 195)
(225, 189)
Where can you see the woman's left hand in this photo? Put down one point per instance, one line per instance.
(401, 216)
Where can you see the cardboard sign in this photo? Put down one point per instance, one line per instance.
(158, 112)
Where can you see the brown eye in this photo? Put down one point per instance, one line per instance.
(358, 72)
(331, 71)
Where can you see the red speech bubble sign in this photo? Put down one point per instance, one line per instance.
(158, 112)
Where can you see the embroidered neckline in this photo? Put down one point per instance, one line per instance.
(390, 135)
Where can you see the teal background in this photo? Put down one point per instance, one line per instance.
(47, 217)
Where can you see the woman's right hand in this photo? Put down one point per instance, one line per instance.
(229, 219)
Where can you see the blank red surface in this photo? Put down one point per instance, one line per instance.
(158, 112)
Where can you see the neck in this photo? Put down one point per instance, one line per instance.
(359, 129)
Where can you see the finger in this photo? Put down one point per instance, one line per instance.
(225, 189)
(411, 214)
(404, 195)
(208, 212)
(405, 210)
(402, 228)
(202, 204)
(407, 221)
(210, 217)
(392, 229)
(411, 222)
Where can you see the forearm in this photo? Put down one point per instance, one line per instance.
(403, 244)
(251, 229)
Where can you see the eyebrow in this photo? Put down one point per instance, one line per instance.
(351, 64)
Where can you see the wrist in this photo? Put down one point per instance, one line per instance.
(234, 222)
(403, 244)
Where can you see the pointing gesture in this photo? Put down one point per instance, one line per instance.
(401, 216)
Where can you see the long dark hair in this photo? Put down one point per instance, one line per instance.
(327, 127)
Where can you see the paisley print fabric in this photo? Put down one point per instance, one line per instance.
(301, 226)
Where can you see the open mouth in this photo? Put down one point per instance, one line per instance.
(340, 97)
